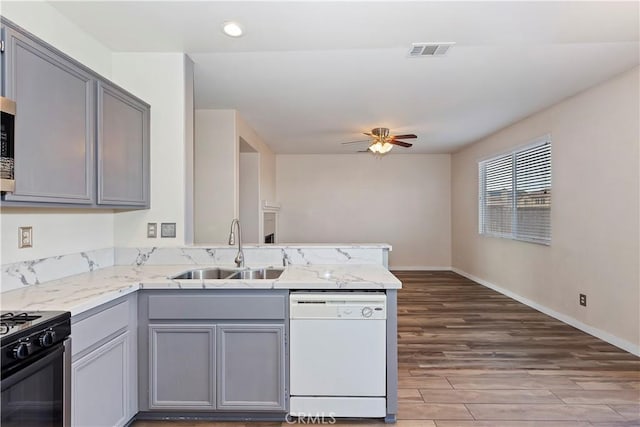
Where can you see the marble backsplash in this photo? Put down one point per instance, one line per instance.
(195, 256)
(25, 273)
(254, 256)
(32, 272)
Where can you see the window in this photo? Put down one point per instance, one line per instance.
(515, 194)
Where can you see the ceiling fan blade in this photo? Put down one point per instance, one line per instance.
(354, 142)
(363, 151)
(400, 143)
(407, 136)
(367, 133)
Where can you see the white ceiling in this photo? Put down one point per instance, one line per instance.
(309, 75)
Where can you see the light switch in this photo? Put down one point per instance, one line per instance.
(152, 230)
(25, 237)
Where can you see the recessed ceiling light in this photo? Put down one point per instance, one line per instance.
(232, 29)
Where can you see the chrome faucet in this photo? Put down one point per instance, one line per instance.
(232, 237)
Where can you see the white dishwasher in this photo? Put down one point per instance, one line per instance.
(338, 354)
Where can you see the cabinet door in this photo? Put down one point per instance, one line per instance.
(251, 365)
(123, 148)
(100, 386)
(54, 126)
(181, 367)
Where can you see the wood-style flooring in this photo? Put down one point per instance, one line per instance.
(471, 357)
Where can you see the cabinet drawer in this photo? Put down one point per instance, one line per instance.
(217, 307)
(96, 328)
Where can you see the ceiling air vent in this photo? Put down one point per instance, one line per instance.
(430, 49)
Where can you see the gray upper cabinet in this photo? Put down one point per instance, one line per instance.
(54, 127)
(123, 148)
(80, 140)
(251, 367)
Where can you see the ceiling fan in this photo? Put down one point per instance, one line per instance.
(382, 142)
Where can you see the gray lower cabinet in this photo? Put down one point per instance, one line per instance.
(218, 351)
(104, 373)
(182, 367)
(54, 126)
(100, 386)
(123, 148)
(251, 364)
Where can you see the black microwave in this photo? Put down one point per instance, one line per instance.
(7, 144)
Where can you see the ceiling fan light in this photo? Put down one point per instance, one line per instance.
(380, 147)
(376, 148)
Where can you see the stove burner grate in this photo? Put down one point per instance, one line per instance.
(17, 319)
(11, 320)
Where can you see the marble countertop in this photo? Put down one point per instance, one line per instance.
(297, 245)
(83, 292)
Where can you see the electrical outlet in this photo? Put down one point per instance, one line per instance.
(168, 229)
(25, 237)
(583, 300)
(152, 230)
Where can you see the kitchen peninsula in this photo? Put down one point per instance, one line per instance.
(208, 348)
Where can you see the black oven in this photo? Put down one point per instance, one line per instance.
(36, 373)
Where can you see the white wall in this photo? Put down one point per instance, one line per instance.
(56, 231)
(44, 21)
(189, 123)
(595, 213)
(217, 179)
(266, 182)
(401, 199)
(159, 79)
(249, 185)
(216, 175)
(267, 159)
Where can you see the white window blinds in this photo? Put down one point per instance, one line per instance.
(515, 194)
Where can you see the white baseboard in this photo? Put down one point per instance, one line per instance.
(605, 336)
(418, 268)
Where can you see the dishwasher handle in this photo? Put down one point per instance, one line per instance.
(337, 298)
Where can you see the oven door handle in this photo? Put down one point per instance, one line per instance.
(31, 368)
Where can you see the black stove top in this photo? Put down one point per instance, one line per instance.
(13, 323)
(28, 334)
(10, 321)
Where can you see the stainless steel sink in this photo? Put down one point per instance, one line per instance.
(257, 273)
(204, 273)
(226, 273)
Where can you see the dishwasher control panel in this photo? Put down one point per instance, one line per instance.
(345, 306)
